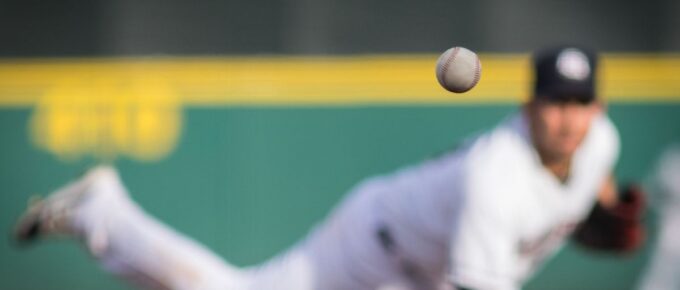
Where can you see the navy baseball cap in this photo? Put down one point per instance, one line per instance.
(565, 73)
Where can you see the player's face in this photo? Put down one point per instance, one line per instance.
(558, 128)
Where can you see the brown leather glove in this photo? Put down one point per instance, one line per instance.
(618, 229)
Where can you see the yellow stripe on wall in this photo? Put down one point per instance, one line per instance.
(279, 80)
(132, 107)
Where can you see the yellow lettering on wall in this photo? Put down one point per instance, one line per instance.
(107, 117)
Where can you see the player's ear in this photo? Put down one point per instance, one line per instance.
(526, 107)
(598, 107)
(530, 106)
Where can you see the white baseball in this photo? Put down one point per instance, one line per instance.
(458, 69)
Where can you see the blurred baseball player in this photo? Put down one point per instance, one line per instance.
(484, 216)
(663, 269)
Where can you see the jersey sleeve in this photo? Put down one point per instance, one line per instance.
(607, 142)
(484, 244)
(595, 161)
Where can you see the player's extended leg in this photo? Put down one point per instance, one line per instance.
(342, 253)
(126, 241)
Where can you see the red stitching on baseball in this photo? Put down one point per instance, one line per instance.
(478, 74)
(446, 65)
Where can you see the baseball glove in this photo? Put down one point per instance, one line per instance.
(617, 229)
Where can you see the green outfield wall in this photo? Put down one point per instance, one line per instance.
(245, 154)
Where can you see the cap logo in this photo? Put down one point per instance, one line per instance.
(573, 64)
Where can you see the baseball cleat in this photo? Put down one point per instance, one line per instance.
(28, 226)
(53, 215)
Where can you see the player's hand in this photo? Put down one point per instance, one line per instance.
(617, 228)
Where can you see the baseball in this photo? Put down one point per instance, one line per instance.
(458, 69)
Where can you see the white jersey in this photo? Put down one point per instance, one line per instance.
(484, 216)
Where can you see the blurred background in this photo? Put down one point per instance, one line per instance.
(241, 123)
